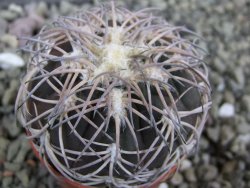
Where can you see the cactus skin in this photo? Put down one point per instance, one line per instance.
(113, 97)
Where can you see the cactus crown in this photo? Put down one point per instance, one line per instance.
(113, 97)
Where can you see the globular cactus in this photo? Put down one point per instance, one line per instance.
(113, 97)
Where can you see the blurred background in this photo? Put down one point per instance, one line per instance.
(223, 159)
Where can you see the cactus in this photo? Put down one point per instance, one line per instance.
(113, 97)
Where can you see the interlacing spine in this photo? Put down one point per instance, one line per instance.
(113, 97)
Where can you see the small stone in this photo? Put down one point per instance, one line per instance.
(3, 143)
(229, 97)
(10, 93)
(25, 147)
(196, 160)
(228, 28)
(13, 73)
(229, 167)
(185, 164)
(65, 7)
(54, 13)
(213, 133)
(243, 128)
(159, 3)
(218, 81)
(33, 183)
(41, 186)
(9, 124)
(229, 6)
(7, 181)
(8, 15)
(163, 185)
(3, 147)
(247, 175)
(246, 102)
(185, 185)
(9, 40)
(2, 88)
(215, 108)
(221, 86)
(205, 158)
(242, 165)
(190, 175)
(10, 60)
(213, 185)
(42, 9)
(23, 177)
(4, 26)
(226, 184)
(177, 179)
(16, 9)
(227, 134)
(12, 166)
(204, 144)
(13, 149)
(239, 76)
(239, 145)
(226, 110)
(219, 65)
(208, 172)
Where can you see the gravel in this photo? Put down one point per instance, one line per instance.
(10, 93)
(23, 177)
(13, 149)
(226, 110)
(9, 123)
(207, 172)
(3, 148)
(177, 179)
(10, 41)
(163, 185)
(4, 26)
(222, 160)
(213, 133)
(190, 175)
(10, 60)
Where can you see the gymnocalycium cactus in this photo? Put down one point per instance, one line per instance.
(113, 97)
